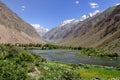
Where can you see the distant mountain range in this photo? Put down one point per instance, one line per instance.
(93, 30)
(41, 30)
(14, 30)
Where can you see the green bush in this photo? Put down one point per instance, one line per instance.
(97, 52)
(10, 71)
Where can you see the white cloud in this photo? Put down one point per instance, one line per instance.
(77, 2)
(23, 8)
(94, 5)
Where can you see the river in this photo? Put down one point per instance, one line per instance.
(70, 56)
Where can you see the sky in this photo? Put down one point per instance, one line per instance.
(50, 13)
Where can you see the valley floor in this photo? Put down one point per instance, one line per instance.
(17, 64)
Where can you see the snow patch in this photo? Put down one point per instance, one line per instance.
(41, 30)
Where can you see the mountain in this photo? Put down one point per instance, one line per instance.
(41, 30)
(97, 31)
(67, 27)
(14, 30)
(61, 30)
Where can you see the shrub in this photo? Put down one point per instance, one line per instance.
(9, 71)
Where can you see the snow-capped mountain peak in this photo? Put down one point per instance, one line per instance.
(89, 15)
(67, 22)
(41, 30)
(75, 21)
(117, 4)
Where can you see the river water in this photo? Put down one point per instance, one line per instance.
(70, 56)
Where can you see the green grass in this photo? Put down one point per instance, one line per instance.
(58, 71)
(102, 73)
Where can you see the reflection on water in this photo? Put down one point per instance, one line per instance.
(68, 56)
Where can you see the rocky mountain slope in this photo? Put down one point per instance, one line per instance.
(96, 31)
(14, 30)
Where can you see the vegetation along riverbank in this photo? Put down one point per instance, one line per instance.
(83, 51)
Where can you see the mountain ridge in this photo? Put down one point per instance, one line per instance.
(69, 25)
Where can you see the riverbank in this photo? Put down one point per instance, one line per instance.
(97, 52)
(82, 50)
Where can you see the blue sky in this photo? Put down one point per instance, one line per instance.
(50, 13)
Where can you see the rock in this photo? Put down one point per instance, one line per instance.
(96, 78)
